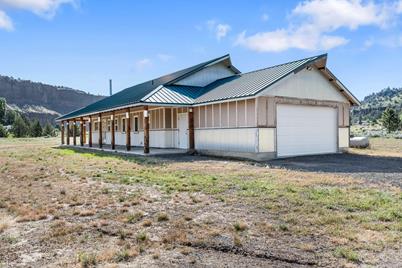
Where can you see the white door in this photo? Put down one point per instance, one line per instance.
(182, 119)
(304, 130)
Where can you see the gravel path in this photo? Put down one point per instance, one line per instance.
(375, 169)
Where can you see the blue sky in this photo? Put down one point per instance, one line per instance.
(83, 43)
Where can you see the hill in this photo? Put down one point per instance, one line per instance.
(374, 104)
(42, 101)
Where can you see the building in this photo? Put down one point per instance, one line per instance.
(295, 108)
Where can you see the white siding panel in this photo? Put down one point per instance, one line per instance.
(343, 137)
(306, 85)
(266, 140)
(207, 76)
(232, 139)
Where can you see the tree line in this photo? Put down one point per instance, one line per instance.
(13, 123)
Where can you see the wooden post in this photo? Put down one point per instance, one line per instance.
(146, 130)
(113, 138)
(191, 129)
(68, 132)
(82, 132)
(62, 132)
(90, 131)
(128, 130)
(74, 132)
(100, 130)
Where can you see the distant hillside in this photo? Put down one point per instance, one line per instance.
(374, 104)
(41, 101)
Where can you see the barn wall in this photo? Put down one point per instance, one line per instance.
(343, 137)
(306, 85)
(207, 76)
(233, 114)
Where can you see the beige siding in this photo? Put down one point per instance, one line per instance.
(209, 115)
(202, 116)
(216, 115)
(306, 85)
(232, 114)
(224, 114)
(261, 111)
(207, 76)
(250, 113)
(346, 114)
(241, 113)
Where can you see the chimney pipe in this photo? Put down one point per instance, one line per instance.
(110, 87)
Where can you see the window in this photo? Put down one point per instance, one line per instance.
(108, 125)
(136, 124)
(123, 124)
(116, 127)
(96, 126)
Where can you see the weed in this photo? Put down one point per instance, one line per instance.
(347, 253)
(86, 260)
(240, 226)
(162, 216)
(133, 218)
(142, 237)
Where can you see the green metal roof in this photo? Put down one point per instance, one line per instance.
(236, 86)
(163, 90)
(136, 93)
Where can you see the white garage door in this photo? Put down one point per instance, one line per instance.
(303, 130)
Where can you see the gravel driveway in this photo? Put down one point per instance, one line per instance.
(376, 169)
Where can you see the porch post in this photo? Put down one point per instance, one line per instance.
(82, 132)
(128, 130)
(113, 138)
(191, 129)
(62, 132)
(146, 130)
(68, 132)
(90, 131)
(100, 130)
(74, 132)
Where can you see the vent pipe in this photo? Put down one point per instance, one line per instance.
(110, 87)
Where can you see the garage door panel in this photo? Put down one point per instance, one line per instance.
(303, 130)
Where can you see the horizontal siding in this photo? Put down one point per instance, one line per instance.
(233, 139)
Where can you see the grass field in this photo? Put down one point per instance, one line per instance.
(61, 207)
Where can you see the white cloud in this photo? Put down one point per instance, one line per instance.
(164, 57)
(45, 8)
(143, 64)
(264, 17)
(5, 22)
(220, 30)
(399, 7)
(313, 21)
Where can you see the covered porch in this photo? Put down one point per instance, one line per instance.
(139, 130)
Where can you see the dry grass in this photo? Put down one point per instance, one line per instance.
(110, 209)
(382, 147)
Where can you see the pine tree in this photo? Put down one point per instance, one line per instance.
(48, 130)
(2, 110)
(36, 129)
(19, 127)
(390, 120)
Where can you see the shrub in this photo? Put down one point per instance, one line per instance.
(3, 131)
(20, 127)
